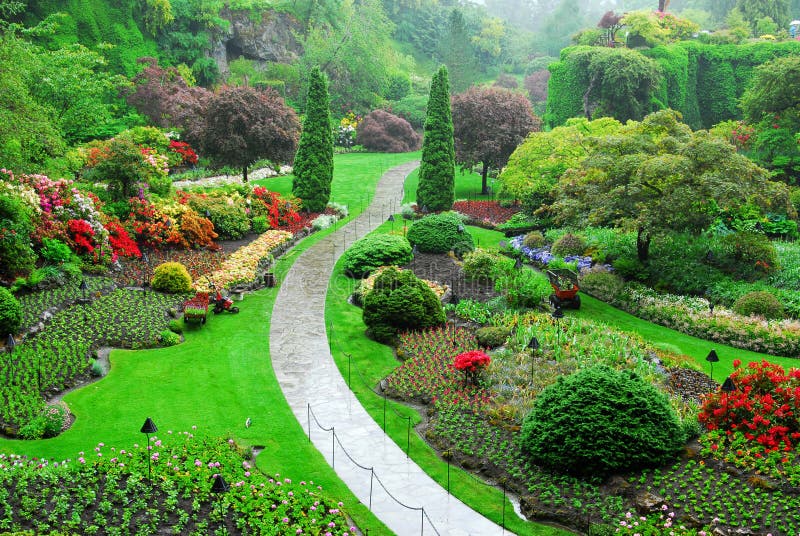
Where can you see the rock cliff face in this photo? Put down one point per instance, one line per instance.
(269, 37)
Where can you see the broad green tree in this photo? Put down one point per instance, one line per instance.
(313, 163)
(436, 189)
(457, 53)
(656, 176)
(244, 124)
(488, 124)
(754, 10)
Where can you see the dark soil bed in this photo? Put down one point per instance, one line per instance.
(444, 269)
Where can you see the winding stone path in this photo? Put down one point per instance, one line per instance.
(308, 375)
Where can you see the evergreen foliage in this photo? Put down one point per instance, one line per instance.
(599, 421)
(10, 313)
(313, 163)
(400, 301)
(171, 277)
(436, 189)
(16, 255)
(373, 251)
(440, 233)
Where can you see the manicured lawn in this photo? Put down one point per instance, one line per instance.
(468, 186)
(372, 362)
(698, 349)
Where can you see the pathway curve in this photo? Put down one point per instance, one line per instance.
(308, 375)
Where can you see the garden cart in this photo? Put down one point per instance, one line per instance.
(565, 289)
(196, 309)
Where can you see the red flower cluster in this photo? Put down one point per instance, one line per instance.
(120, 240)
(185, 150)
(764, 407)
(280, 212)
(485, 211)
(472, 361)
(82, 235)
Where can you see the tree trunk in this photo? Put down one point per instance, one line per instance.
(642, 244)
(244, 173)
(484, 182)
(662, 5)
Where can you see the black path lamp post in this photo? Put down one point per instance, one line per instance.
(10, 344)
(712, 358)
(84, 287)
(518, 264)
(728, 386)
(533, 345)
(149, 427)
(219, 488)
(391, 219)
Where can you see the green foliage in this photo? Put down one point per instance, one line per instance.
(482, 264)
(397, 87)
(175, 326)
(374, 251)
(123, 168)
(745, 255)
(16, 255)
(533, 240)
(492, 336)
(45, 425)
(440, 233)
(524, 288)
(400, 301)
(171, 277)
(313, 164)
(436, 189)
(55, 251)
(599, 421)
(169, 338)
(760, 303)
(569, 244)
(602, 285)
(10, 313)
(412, 108)
(260, 224)
(230, 221)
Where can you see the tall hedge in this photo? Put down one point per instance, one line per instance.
(436, 190)
(313, 164)
(702, 81)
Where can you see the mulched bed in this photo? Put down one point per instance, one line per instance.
(445, 269)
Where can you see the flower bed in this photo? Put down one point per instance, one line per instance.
(692, 315)
(241, 266)
(543, 258)
(485, 213)
(108, 491)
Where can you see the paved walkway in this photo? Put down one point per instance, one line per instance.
(307, 375)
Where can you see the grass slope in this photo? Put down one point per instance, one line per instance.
(217, 378)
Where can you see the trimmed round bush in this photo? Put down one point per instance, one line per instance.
(569, 244)
(373, 251)
(599, 421)
(10, 313)
(440, 233)
(381, 131)
(759, 302)
(486, 265)
(492, 336)
(533, 240)
(172, 277)
(400, 301)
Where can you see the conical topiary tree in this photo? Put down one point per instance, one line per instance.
(436, 190)
(313, 164)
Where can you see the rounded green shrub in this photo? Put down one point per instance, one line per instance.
(745, 255)
(400, 301)
(569, 244)
(172, 277)
(230, 221)
(440, 233)
(10, 313)
(55, 251)
(487, 265)
(602, 285)
(169, 338)
(533, 240)
(373, 251)
(759, 302)
(492, 336)
(599, 421)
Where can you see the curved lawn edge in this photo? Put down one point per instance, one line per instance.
(231, 385)
(371, 362)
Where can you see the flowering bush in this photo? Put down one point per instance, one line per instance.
(542, 256)
(151, 226)
(188, 156)
(472, 363)
(120, 240)
(278, 210)
(656, 525)
(762, 408)
(345, 134)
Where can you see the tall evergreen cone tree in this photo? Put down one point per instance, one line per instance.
(436, 190)
(313, 164)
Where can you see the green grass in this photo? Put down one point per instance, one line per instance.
(217, 378)
(697, 349)
(370, 363)
(468, 186)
